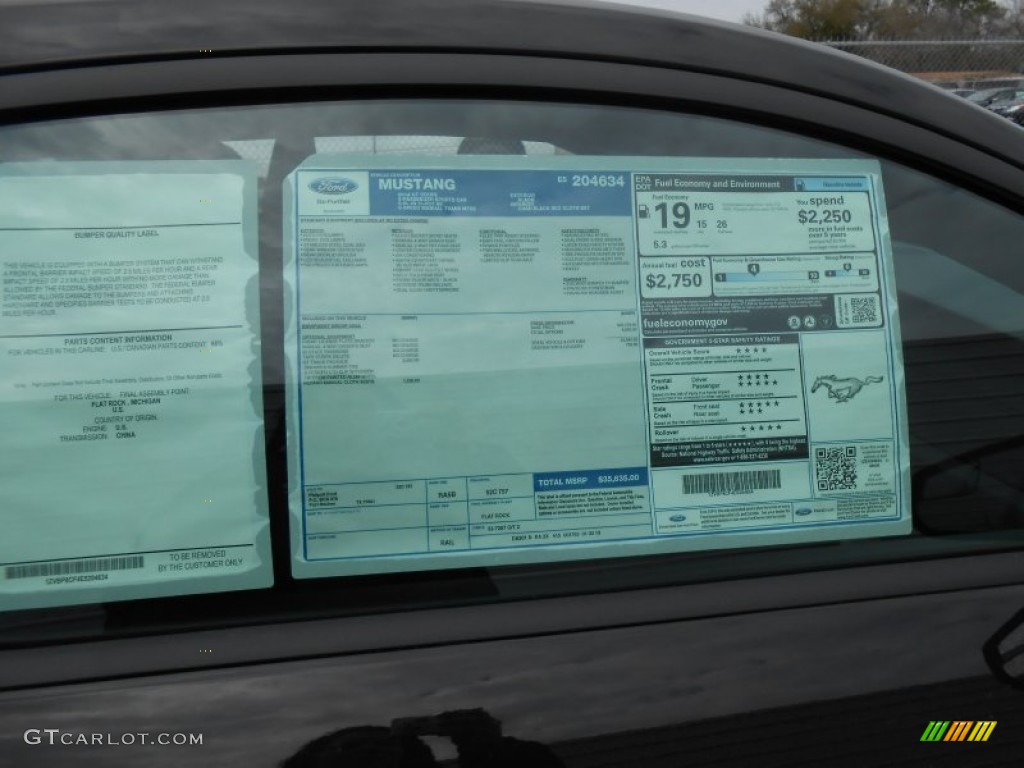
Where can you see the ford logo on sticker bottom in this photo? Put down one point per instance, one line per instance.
(678, 518)
(338, 186)
(804, 511)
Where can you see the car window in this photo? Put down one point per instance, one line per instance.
(155, 273)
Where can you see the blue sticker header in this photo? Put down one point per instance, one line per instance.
(499, 193)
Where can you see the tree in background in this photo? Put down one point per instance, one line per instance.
(887, 19)
(951, 18)
(818, 19)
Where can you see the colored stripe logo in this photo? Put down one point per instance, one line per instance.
(958, 730)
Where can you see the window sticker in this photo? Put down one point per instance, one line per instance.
(132, 448)
(497, 360)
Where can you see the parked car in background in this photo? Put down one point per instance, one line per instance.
(990, 96)
(1002, 106)
(1010, 108)
(1017, 116)
(525, 384)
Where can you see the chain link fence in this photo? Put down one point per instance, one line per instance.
(950, 63)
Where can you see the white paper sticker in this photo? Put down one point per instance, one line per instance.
(497, 360)
(132, 445)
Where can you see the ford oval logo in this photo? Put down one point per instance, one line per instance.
(338, 186)
(804, 511)
(678, 518)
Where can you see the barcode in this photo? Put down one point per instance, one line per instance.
(864, 309)
(722, 483)
(66, 567)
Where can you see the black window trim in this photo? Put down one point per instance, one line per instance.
(250, 81)
(172, 653)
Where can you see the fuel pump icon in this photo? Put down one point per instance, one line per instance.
(643, 211)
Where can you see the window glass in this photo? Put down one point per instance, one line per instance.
(213, 468)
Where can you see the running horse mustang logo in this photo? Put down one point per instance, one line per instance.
(843, 389)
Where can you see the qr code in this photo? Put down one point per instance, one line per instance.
(864, 309)
(858, 311)
(835, 469)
